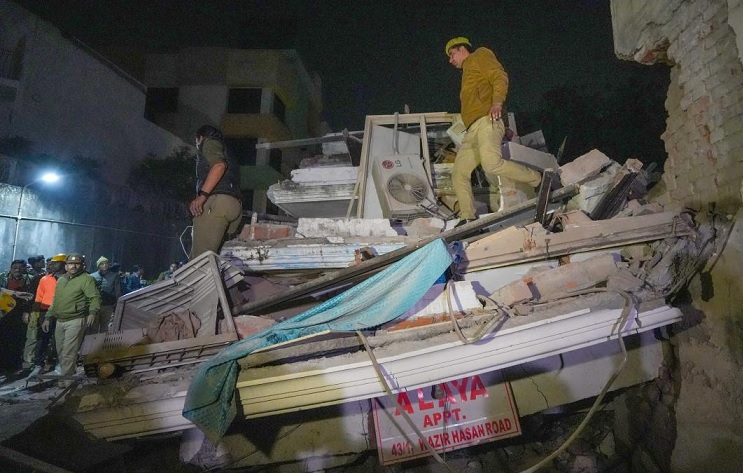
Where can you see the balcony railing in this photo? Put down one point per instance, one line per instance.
(10, 65)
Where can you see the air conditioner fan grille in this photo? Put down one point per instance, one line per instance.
(407, 188)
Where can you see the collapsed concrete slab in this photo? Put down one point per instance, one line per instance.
(494, 322)
(515, 245)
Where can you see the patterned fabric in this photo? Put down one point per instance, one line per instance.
(386, 295)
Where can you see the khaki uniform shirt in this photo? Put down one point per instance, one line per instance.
(484, 81)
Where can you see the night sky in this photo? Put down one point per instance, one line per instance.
(374, 57)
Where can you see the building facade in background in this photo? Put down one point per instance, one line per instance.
(64, 100)
(253, 96)
(69, 101)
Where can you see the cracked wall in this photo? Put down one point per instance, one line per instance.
(701, 42)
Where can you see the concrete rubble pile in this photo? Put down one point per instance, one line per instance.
(597, 263)
(322, 186)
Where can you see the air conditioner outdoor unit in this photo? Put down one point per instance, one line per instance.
(402, 185)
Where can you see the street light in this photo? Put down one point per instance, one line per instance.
(48, 177)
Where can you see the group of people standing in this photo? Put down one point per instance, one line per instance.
(57, 306)
(68, 301)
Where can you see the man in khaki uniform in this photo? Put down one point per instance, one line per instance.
(75, 307)
(483, 92)
(217, 207)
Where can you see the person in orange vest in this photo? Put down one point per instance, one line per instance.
(40, 344)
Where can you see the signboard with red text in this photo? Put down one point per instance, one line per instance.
(452, 415)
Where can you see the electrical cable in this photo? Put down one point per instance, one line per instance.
(180, 239)
(480, 333)
(626, 311)
(393, 400)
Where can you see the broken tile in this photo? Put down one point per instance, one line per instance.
(583, 167)
(513, 293)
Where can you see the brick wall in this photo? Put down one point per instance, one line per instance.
(704, 135)
(704, 141)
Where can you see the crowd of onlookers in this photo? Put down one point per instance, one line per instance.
(48, 305)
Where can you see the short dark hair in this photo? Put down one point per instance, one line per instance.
(18, 261)
(208, 131)
(34, 259)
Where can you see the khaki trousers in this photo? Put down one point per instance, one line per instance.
(222, 216)
(69, 336)
(482, 146)
(32, 339)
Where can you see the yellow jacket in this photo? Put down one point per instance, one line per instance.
(484, 81)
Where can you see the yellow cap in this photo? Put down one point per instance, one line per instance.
(60, 257)
(456, 42)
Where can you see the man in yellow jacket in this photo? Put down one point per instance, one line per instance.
(484, 90)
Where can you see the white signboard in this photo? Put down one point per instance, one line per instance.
(451, 415)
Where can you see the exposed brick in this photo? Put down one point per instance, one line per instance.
(688, 39)
(717, 120)
(735, 141)
(730, 83)
(716, 135)
(706, 182)
(685, 102)
(672, 51)
(722, 147)
(513, 293)
(712, 9)
(679, 194)
(712, 81)
(696, 85)
(724, 49)
(265, 231)
(733, 112)
(735, 124)
(700, 89)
